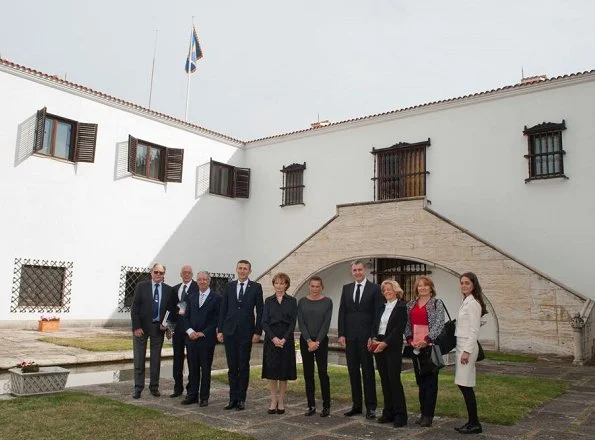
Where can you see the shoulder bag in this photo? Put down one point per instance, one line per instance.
(447, 340)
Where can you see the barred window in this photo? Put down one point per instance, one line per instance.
(229, 181)
(129, 278)
(545, 153)
(404, 272)
(293, 184)
(219, 281)
(400, 170)
(41, 286)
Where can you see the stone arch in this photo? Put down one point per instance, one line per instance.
(534, 311)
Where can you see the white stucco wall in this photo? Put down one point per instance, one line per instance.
(477, 175)
(101, 218)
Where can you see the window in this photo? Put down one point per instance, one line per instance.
(546, 156)
(41, 286)
(64, 138)
(229, 181)
(293, 184)
(154, 161)
(400, 171)
(129, 278)
(404, 272)
(219, 281)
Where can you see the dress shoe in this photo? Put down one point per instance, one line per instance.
(370, 414)
(241, 406)
(471, 429)
(155, 393)
(272, 411)
(399, 423)
(353, 412)
(384, 419)
(136, 394)
(231, 405)
(310, 411)
(203, 403)
(280, 410)
(175, 394)
(325, 412)
(189, 401)
(458, 429)
(426, 422)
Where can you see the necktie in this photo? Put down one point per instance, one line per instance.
(183, 298)
(156, 303)
(357, 294)
(241, 294)
(201, 299)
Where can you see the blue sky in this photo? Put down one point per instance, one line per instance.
(272, 66)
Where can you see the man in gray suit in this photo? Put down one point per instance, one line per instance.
(151, 301)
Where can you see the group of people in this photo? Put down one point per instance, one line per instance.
(374, 323)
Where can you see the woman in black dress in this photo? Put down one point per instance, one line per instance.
(278, 323)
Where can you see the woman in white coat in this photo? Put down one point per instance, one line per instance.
(467, 333)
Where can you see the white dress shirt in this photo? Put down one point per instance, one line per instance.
(388, 309)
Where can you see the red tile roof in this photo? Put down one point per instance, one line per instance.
(113, 99)
(229, 138)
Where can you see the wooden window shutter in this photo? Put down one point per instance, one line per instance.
(174, 160)
(39, 129)
(85, 141)
(241, 178)
(132, 144)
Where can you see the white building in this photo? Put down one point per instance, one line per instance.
(497, 182)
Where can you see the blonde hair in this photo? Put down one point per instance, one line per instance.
(395, 287)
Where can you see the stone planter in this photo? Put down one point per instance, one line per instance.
(48, 326)
(46, 380)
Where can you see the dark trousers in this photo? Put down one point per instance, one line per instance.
(471, 404)
(428, 391)
(358, 356)
(389, 368)
(179, 346)
(237, 352)
(319, 356)
(139, 349)
(200, 360)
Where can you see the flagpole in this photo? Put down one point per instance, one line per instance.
(153, 70)
(188, 73)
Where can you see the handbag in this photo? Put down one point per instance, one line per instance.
(447, 340)
(423, 361)
(436, 356)
(480, 354)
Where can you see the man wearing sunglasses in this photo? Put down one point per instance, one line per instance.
(151, 301)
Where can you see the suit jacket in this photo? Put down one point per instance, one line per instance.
(238, 318)
(175, 316)
(141, 311)
(356, 321)
(203, 319)
(393, 336)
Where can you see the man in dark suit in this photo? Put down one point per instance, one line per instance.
(360, 303)
(151, 301)
(238, 329)
(200, 324)
(179, 306)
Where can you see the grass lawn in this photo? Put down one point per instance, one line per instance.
(93, 344)
(509, 357)
(503, 400)
(69, 416)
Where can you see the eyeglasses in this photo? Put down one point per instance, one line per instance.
(158, 272)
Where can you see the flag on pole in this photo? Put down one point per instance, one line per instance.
(194, 52)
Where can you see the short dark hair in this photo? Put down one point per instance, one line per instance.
(244, 262)
(283, 277)
(316, 278)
